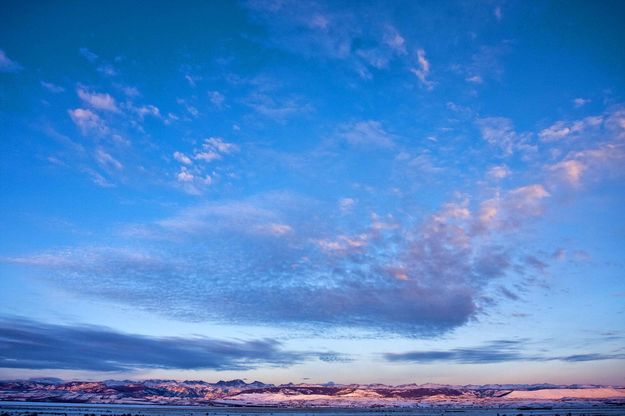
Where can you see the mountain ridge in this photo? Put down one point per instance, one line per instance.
(238, 392)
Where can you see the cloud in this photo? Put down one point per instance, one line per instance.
(499, 132)
(98, 101)
(368, 133)
(512, 209)
(216, 98)
(276, 107)
(564, 129)
(88, 122)
(196, 174)
(53, 88)
(499, 351)
(498, 13)
(219, 145)
(36, 345)
(484, 64)
(97, 178)
(329, 32)
(343, 244)
(586, 149)
(146, 110)
(394, 40)
(499, 172)
(580, 102)
(423, 71)
(346, 204)
(184, 175)
(569, 170)
(8, 65)
(493, 352)
(106, 161)
(182, 158)
(275, 229)
(107, 70)
(261, 260)
(88, 55)
(310, 278)
(475, 79)
(590, 164)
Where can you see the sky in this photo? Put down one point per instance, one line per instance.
(295, 191)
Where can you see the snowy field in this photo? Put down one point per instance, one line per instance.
(53, 409)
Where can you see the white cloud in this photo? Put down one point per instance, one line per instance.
(98, 179)
(275, 229)
(475, 79)
(182, 158)
(184, 175)
(107, 69)
(452, 211)
(499, 172)
(276, 107)
(562, 129)
(499, 131)
(214, 148)
(395, 41)
(195, 177)
(105, 159)
(130, 91)
(147, 110)
(512, 209)
(423, 71)
(207, 156)
(192, 79)
(498, 13)
(346, 204)
(368, 133)
(526, 199)
(87, 121)
(219, 145)
(53, 88)
(569, 170)
(88, 55)
(344, 244)
(8, 65)
(579, 102)
(216, 98)
(96, 100)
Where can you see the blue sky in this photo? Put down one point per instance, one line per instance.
(310, 191)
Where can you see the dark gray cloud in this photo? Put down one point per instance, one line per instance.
(493, 352)
(591, 357)
(35, 345)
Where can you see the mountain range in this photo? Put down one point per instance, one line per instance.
(241, 393)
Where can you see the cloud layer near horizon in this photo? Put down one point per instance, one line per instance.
(30, 344)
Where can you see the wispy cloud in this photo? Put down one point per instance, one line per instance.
(7, 64)
(422, 72)
(328, 31)
(36, 345)
(499, 132)
(196, 171)
(368, 133)
(88, 54)
(98, 101)
(51, 87)
(562, 129)
(580, 102)
(88, 121)
(500, 351)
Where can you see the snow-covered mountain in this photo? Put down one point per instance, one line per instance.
(240, 393)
